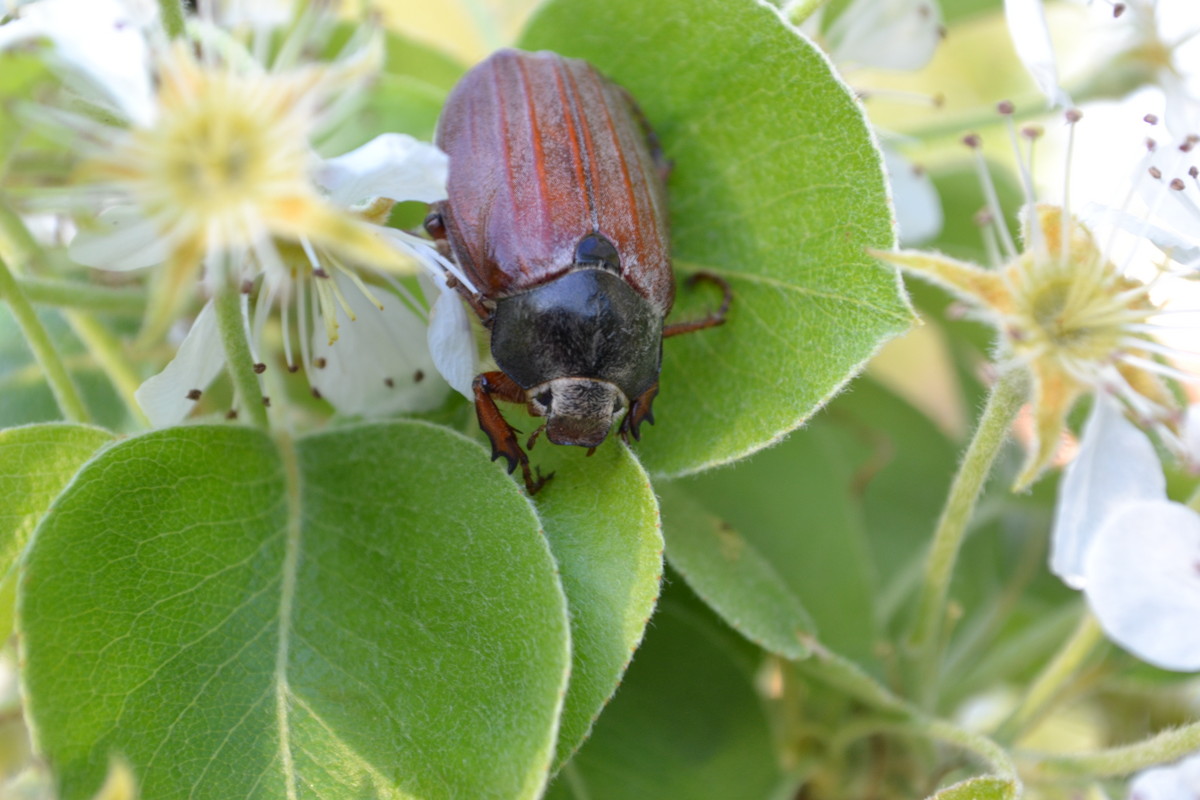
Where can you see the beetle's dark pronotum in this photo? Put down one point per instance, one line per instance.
(557, 212)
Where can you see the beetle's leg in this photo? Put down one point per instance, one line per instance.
(435, 225)
(502, 435)
(712, 320)
(639, 412)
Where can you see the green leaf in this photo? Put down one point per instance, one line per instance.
(733, 577)
(36, 462)
(602, 521)
(369, 612)
(777, 187)
(988, 787)
(795, 504)
(686, 725)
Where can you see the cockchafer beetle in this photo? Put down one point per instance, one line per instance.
(557, 212)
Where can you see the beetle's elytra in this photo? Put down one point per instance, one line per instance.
(557, 212)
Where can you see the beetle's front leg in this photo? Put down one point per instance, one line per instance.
(502, 435)
(639, 412)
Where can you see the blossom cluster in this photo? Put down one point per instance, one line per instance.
(199, 165)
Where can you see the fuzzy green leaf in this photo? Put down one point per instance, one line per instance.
(342, 616)
(687, 723)
(733, 577)
(796, 505)
(36, 462)
(602, 521)
(777, 187)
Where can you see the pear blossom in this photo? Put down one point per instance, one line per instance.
(885, 34)
(1134, 552)
(1031, 37)
(371, 352)
(1066, 314)
(1179, 781)
(211, 175)
(1150, 37)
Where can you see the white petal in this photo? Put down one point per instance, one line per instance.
(376, 348)
(1191, 432)
(1159, 783)
(1116, 464)
(201, 356)
(1142, 575)
(101, 41)
(123, 240)
(1031, 37)
(254, 13)
(1182, 248)
(887, 34)
(392, 165)
(918, 207)
(452, 340)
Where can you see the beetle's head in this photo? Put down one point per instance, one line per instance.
(580, 346)
(578, 411)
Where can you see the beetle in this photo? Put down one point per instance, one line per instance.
(556, 211)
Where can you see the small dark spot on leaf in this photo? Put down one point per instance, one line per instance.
(194, 394)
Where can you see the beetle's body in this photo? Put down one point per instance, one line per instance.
(556, 212)
(544, 150)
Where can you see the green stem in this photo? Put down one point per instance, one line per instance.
(1162, 748)
(232, 325)
(17, 244)
(990, 434)
(1193, 502)
(65, 392)
(110, 354)
(65, 294)
(800, 10)
(172, 18)
(850, 678)
(1053, 678)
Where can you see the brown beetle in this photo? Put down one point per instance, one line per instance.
(557, 212)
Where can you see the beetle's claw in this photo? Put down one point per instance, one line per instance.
(532, 485)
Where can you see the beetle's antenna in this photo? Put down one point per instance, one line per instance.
(533, 436)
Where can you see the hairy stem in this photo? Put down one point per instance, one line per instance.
(238, 359)
(172, 17)
(798, 11)
(847, 676)
(70, 403)
(1053, 677)
(1162, 748)
(65, 294)
(990, 434)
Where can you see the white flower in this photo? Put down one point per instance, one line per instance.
(885, 34)
(1031, 37)
(918, 208)
(1179, 781)
(1134, 552)
(209, 172)
(1116, 464)
(364, 348)
(100, 43)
